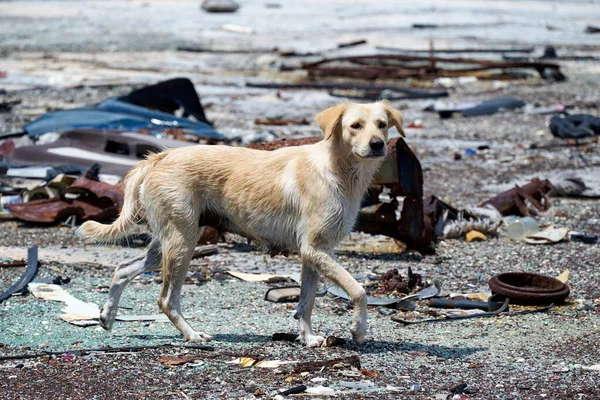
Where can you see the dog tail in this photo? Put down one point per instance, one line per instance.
(97, 232)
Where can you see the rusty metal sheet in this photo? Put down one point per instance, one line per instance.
(57, 210)
(401, 66)
(83, 184)
(513, 201)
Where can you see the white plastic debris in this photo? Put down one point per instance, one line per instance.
(357, 385)
(248, 362)
(592, 368)
(323, 390)
(76, 312)
(238, 29)
(249, 277)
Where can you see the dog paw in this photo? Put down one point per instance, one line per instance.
(107, 319)
(313, 341)
(198, 337)
(359, 337)
(359, 331)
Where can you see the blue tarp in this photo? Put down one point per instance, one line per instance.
(134, 112)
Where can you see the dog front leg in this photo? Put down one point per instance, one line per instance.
(324, 262)
(310, 280)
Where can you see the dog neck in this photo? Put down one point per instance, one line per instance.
(353, 173)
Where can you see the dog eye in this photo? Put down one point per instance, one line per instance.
(356, 125)
(382, 125)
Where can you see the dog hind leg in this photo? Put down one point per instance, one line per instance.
(177, 251)
(310, 280)
(124, 274)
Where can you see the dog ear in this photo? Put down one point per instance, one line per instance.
(330, 120)
(395, 117)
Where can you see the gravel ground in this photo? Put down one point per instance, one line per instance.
(535, 356)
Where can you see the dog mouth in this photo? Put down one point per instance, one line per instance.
(372, 154)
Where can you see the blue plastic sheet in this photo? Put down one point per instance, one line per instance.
(134, 112)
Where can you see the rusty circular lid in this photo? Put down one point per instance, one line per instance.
(529, 289)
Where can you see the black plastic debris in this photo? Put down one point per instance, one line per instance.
(30, 272)
(576, 126)
(294, 390)
(592, 29)
(582, 237)
(57, 280)
(149, 109)
(460, 389)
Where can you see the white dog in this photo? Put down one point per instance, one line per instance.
(303, 199)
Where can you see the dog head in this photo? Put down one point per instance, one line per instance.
(362, 129)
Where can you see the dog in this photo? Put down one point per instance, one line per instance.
(303, 199)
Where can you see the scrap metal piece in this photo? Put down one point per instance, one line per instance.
(397, 302)
(402, 66)
(477, 50)
(369, 92)
(529, 289)
(97, 200)
(101, 190)
(6, 264)
(411, 228)
(502, 311)
(116, 151)
(512, 201)
(280, 122)
(30, 272)
(54, 210)
(494, 303)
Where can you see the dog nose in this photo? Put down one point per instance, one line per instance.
(376, 144)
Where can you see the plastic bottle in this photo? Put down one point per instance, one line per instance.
(522, 227)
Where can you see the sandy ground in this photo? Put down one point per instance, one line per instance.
(65, 54)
